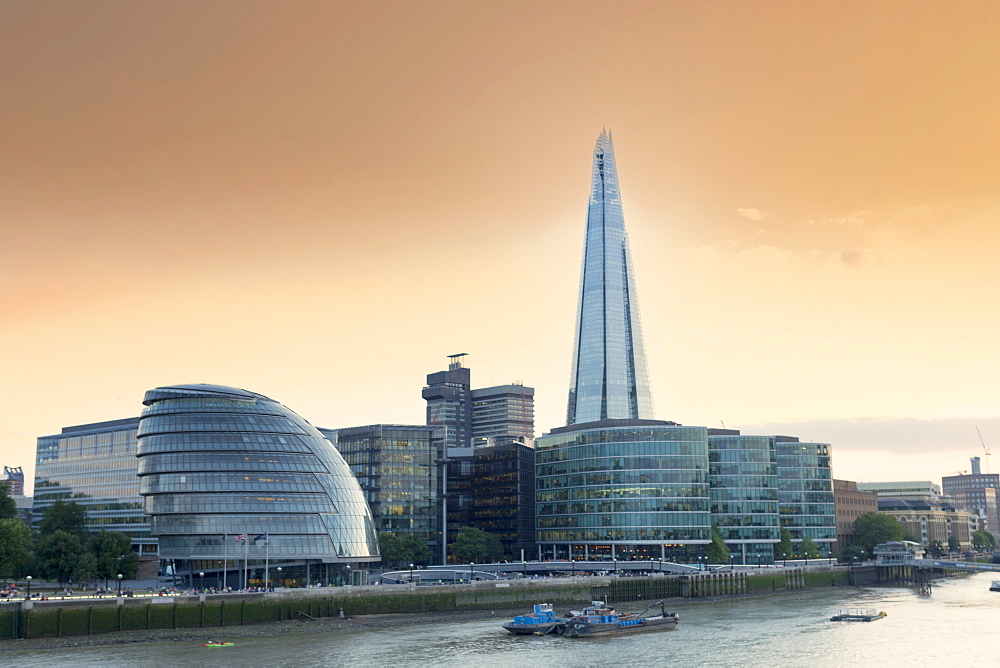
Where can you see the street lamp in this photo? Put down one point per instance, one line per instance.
(472, 571)
(28, 595)
(119, 585)
(411, 573)
(201, 579)
(573, 566)
(279, 577)
(350, 580)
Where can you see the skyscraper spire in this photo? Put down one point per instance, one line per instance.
(609, 376)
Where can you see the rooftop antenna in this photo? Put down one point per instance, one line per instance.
(985, 449)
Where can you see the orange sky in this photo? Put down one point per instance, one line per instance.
(319, 201)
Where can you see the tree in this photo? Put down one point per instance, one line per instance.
(807, 548)
(68, 516)
(983, 540)
(8, 509)
(112, 552)
(852, 554)
(391, 548)
(783, 550)
(953, 544)
(717, 551)
(873, 529)
(935, 548)
(416, 549)
(476, 545)
(15, 545)
(59, 554)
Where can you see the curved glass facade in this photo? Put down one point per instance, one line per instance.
(631, 491)
(218, 462)
(806, 492)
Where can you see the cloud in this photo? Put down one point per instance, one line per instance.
(752, 214)
(853, 219)
(852, 257)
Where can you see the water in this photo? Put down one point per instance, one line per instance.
(953, 625)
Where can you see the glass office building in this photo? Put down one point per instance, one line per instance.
(623, 489)
(217, 463)
(743, 475)
(609, 377)
(504, 496)
(395, 466)
(94, 465)
(805, 491)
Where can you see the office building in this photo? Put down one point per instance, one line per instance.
(503, 496)
(396, 467)
(234, 480)
(503, 414)
(94, 465)
(13, 478)
(977, 493)
(850, 504)
(805, 492)
(609, 380)
(743, 479)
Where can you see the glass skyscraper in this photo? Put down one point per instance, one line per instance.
(609, 377)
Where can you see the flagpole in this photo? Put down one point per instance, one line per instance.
(225, 559)
(246, 560)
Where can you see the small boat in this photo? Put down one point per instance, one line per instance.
(541, 621)
(995, 585)
(599, 620)
(213, 643)
(857, 615)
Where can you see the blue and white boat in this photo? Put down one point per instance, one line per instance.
(541, 621)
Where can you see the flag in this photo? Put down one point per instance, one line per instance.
(240, 537)
(262, 536)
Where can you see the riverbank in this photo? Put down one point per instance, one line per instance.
(290, 627)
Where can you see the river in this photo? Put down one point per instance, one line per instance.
(954, 625)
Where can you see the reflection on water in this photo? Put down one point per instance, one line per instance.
(954, 624)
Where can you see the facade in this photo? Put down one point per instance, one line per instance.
(503, 414)
(743, 478)
(234, 481)
(623, 489)
(976, 493)
(504, 496)
(449, 405)
(397, 470)
(13, 478)
(901, 489)
(609, 379)
(929, 519)
(94, 465)
(850, 504)
(805, 492)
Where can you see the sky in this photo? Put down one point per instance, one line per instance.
(320, 201)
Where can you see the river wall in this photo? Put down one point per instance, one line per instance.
(58, 618)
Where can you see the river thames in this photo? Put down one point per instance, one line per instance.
(953, 625)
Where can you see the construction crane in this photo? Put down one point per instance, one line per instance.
(985, 449)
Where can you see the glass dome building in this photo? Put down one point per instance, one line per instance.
(237, 485)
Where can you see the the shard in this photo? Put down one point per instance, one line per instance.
(609, 376)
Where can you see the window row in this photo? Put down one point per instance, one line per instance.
(626, 477)
(229, 503)
(622, 448)
(171, 463)
(182, 423)
(623, 506)
(230, 482)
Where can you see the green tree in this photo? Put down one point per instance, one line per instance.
(783, 549)
(936, 548)
(953, 544)
(59, 554)
(391, 548)
(717, 551)
(68, 516)
(807, 548)
(15, 546)
(983, 540)
(852, 554)
(8, 509)
(416, 549)
(112, 553)
(873, 529)
(476, 545)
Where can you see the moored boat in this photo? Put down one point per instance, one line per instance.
(541, 621)
(599, 620)
(216, 643)
(995, 585)
(857, 615)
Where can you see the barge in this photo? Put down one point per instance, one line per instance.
(541, 621)
(598, 620)
(857, 615)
